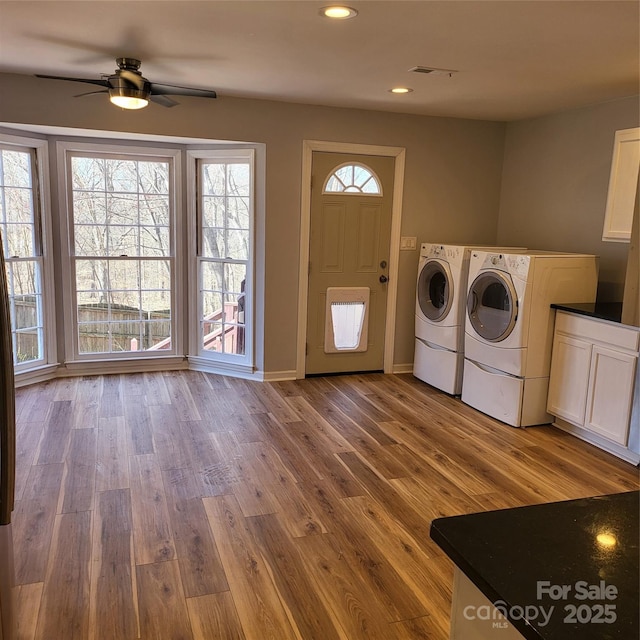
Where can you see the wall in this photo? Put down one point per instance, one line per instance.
(555, 182)
(452, 178)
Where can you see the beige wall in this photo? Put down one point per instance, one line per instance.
(452, 178)
(555, 181)
(542, 185)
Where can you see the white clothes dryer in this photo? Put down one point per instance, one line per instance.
(509, 328)
(441, 293)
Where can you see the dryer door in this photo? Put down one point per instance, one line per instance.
(435, 290)
(492, 305)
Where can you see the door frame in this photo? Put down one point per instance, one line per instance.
(308, 149)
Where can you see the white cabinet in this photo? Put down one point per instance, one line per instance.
(623, 186)
(611, 379)
(592, 378)
(569, 381)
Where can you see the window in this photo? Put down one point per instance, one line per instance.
(122, 256)
(353, 178)
(22, 243)
(224, 255)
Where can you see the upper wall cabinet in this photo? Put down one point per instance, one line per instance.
(623, 186)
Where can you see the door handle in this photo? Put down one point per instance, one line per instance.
(384, 279)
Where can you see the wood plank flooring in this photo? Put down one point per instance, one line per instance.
(187, 506)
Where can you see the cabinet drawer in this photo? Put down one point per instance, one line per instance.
(598, 330)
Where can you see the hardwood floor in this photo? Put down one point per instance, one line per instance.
(191, 506)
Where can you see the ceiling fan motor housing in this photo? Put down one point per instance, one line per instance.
(122, 87)
(131, 64)
(128, 82)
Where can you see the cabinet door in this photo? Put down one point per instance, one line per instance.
(569, 381)
(623, 186)
(610, 393)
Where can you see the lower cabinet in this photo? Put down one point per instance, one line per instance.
(593, 369)
(611, 379)
(569, 378)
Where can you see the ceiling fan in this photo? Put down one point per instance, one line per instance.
(129, 89)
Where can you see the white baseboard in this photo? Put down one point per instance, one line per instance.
(598, 441)
(279, 376)
(176, 363)
(40, 374)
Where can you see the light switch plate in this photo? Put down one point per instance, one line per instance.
(408, 243)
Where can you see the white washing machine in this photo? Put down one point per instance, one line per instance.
(509, 328)
(441, 293)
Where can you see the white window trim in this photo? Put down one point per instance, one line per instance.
(48, 362)
(239, 365)
(60, 138)
(63, 151)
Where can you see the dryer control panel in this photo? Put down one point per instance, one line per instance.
(519, 265)
(495, 261)
(516, 264)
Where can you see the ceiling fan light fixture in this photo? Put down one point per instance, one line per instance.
(129, 89)
(129, 98)
(338, 12)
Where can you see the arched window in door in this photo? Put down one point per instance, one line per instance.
(353, 178)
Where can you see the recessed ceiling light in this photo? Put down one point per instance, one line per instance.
(400, 90)
(338, 12)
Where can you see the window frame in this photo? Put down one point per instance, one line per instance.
(66, 151)
(43, 252)
(238, 363)
(372, 175)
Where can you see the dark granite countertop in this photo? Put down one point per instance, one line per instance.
(526, 555)
(602, 310)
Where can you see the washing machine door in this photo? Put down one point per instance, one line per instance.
(435, 290)
(492, 305)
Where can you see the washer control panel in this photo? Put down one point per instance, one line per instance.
(453, 253)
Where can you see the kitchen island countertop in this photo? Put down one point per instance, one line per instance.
(572, 563)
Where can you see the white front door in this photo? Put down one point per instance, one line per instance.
(350, 227)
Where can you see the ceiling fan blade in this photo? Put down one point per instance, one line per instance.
(163, 100)
(174, 90)
(101, 82)
(134, 78)
(90, 93)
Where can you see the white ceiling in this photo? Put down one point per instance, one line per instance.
(514, 59)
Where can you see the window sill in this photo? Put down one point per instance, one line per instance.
(122, 365)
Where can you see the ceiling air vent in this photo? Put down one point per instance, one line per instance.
(433, 71)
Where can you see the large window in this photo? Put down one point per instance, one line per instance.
(156, 263)
(224, 256)
(122, 253)
(22, 243)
